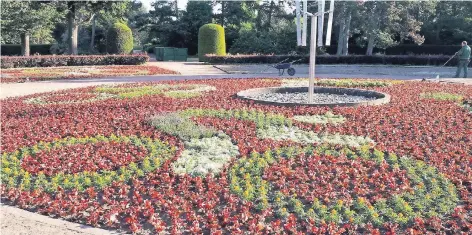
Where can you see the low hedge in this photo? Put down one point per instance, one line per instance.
(405, 49)
(15, 49)
(434, 60)
(69, 60)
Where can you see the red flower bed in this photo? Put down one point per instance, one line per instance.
(83, 157)
(437, 134)
(76, 72)
(336, 178)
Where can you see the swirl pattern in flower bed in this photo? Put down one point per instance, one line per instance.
(332, 178)
(169, 90)
(68, 98)
(26, 167)
(91, 157)
(430, 193)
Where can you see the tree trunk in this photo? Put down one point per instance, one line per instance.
(92, 40)
(342, 25)
(223, 3)
(73, 29)
(370, 45)
(25, 45)
(347, 29)
(269, 18)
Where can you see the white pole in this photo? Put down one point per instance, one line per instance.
(321, 9)
(312, 58)
(305, 22)
(299, 33)
(330, 24)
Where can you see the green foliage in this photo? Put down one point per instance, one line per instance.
(441, 96)
(211, 40)
(70, 60)
(326, 118)
(15, 176)
(172, 91)
(434, 195)
(205, 155)
(15, 49)
(341, 82)
(435, 60)
(119, 39)
(26, 17)
(182, 127)
(279, 40)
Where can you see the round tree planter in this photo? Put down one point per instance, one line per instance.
(372, 97)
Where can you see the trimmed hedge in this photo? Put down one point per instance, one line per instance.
(211, 40)
(434, 60)
(406, 49)
(15, 49)
(119, 39)
(71, 60)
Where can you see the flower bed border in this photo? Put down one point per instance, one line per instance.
(382, 98)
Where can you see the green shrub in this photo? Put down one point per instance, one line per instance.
(433, 60)
(119, 39)
(15, 49)
(211, 40)
(70, 60)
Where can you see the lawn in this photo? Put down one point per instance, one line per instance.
(77, 72)
(190, 157)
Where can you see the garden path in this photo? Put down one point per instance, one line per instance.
(196, 70)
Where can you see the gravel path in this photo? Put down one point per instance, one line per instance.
(302, 97)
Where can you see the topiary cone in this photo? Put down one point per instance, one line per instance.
(211, 40)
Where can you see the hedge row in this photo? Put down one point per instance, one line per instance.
(329, 59)
(406, 49)
(15, 49)
(68, 60)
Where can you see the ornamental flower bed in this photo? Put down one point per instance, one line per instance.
(137, 158)
(77, 72)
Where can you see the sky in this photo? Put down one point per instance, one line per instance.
(147, 3)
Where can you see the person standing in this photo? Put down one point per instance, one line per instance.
(464, 59)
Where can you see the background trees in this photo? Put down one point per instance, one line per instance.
(22, 19)
(362, 27)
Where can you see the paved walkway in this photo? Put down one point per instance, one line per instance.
(14, 221)
(17, 221)
(196, 70)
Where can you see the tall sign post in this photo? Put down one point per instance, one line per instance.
(313, 40)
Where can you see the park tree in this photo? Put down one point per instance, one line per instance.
(449, 23)
(196, 15)
(235, 16)
(160, 22)
(25, 18)
(85, 12)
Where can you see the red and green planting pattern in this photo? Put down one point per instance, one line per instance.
(77, 72)
(189, 158)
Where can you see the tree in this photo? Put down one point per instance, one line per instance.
(234, 16)
(196, 15)
(25, 18)
(160, 22)
(449, 23)
(108, 12)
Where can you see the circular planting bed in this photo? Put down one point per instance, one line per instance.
(191, 158)
(323, 96)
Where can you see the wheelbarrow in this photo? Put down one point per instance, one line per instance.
(281, 66)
